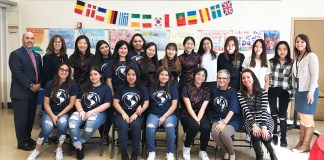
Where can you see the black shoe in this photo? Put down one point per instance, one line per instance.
(283, 142)
(31, 142)
(124, 155)
(80, 153)
(26, 147)
(275, 139)
(134, 155)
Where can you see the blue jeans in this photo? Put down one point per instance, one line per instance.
(47, 127)
(169, 124)
(90, 127)
(122, 127)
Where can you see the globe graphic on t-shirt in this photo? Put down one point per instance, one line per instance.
(60, 97)
(90, 99)
(130, 99)
(160, 97)
(120, 72)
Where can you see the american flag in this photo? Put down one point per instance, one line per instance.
(227, 8)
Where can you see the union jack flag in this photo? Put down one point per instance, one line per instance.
(227, 8)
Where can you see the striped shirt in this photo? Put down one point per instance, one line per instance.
(281, 76)
(255, 111)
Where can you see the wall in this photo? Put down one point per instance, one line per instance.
(248, 15)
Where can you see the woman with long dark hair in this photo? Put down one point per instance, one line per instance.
(130, 101)
(136, 47)
(164, 101)
(60, 95)
(280, 88)
(81, 60)
(257, 120)
(305, 77)
(149, 64)
(94, 98)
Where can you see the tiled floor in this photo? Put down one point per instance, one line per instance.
(8, 146)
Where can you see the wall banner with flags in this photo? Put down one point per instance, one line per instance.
(149, 20)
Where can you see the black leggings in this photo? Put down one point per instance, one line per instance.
(283, 96)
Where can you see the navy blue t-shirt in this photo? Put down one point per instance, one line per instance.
(104, 64)
(118, 76)
(62, 99)
(224, 101)
(161, 101)
(134, 56)
(129, 98)
(95, 97)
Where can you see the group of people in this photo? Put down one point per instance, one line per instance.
(131, 88)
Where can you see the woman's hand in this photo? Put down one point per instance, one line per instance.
(161, 120)
(133, 118)
(125, 117)
(265, 134)
(83, 115)
(54, 119)
(256, 131)
(88, 114)
(139, 110)
(310, 98)
(219, 127)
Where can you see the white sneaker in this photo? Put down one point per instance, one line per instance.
(170, 156)
(184, 137)
(33, 155)
(59, 154)
(151, 156)
(186, 153)
(203, 155)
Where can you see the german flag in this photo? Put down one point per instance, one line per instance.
(112, 16)
(79, 7)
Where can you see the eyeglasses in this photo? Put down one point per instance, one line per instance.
(57, 42)
(64, 70)
(222, 78)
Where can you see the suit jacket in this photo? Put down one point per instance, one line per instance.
(23, 73)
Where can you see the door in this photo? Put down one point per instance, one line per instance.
(314, 29)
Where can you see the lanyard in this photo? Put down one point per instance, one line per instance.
(298, 63)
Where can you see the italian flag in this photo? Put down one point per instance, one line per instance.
(147, 21)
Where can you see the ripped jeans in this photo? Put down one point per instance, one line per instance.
(169, 125)
(90, 127)
(47, 127)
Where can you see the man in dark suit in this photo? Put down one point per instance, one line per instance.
(25, 66)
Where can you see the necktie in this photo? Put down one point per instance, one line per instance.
(34, 64)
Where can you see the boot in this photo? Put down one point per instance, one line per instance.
(124, 155)
(271, 151)
(134, 155)
(301, 136)
(305, 146)
(258, 150)
(275, 130)
(283, 130)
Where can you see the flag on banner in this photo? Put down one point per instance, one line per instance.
(181, 19)
(101, 12)
(91, 10)
(192, 17)
(204, 15)
(135, 20)
(216, 11)
(166, 21)
(158, 21)
(147, 21)
(112, 16)
(79, 7)
(227, 8)
(123, 19)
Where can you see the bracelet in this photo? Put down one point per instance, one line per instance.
(264, 127)
(223, 122)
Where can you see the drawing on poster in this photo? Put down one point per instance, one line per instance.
(39, 44)
(247, 38)
(94, 35)
(116, 34)
(159, 37)
(271, 38)
(177, 37)
(218, 38)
